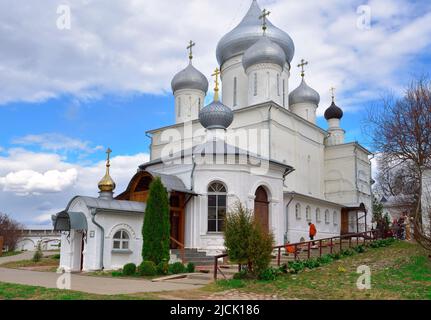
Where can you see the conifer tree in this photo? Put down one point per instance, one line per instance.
(156, 229)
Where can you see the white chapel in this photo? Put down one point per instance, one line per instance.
(256, 143)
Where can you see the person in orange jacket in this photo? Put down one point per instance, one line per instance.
(313, 231)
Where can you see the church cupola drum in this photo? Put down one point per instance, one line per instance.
(189, 87)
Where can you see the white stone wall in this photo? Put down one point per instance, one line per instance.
(265, 84)
(30, 242)
(188, 103)
(336, 133)
(348, 179)
(296, 226)
(233, 69)
(307, 111)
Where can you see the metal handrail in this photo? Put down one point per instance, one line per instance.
(372, 235)
(182, 249)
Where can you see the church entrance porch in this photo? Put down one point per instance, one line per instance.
(138, 190)
(354, 219)
(261, 208)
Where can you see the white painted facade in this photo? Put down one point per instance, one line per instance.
(95, 244)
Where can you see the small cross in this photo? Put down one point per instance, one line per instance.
(265, 14)
(333, 93)
(190, 48)
(302, 65)
(108, 152)
(216, 89)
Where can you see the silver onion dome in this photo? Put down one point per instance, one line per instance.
(216, 116)
(333, 112)
(304, 94)
(190, 78)
(264, 51)
(248, 32)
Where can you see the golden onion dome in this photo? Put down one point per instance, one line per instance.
(107, 184)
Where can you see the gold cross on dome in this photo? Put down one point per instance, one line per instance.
(190, 48)
(108, 152)
(263, 17)
(216, 89)
(302, 65)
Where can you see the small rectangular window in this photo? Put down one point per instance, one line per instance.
(278, 85)
(235, 88)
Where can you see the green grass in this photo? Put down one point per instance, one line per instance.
(10, 253)
(400, 271)
(22, 292)
(44, 262)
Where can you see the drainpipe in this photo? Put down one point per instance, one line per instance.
(102, 233)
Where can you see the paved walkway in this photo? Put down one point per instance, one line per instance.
(89, 284)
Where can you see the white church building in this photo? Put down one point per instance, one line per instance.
(259, 145)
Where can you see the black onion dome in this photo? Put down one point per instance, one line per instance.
(333, 112)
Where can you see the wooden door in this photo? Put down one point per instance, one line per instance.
(175, 228)
(261, 208)
(344, 221)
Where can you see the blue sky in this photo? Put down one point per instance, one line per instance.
(66, 95)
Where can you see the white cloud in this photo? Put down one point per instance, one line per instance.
(125, 46)
(25, 182)
(56, 142)
(49, 182)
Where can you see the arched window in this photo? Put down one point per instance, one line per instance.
(121, 240)
(235, 91)
(327, 216)
(318, 217)
(284, 92)
(335, 217)
(298, 211)
(308, 213)
(217, 195)
(255, 84)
